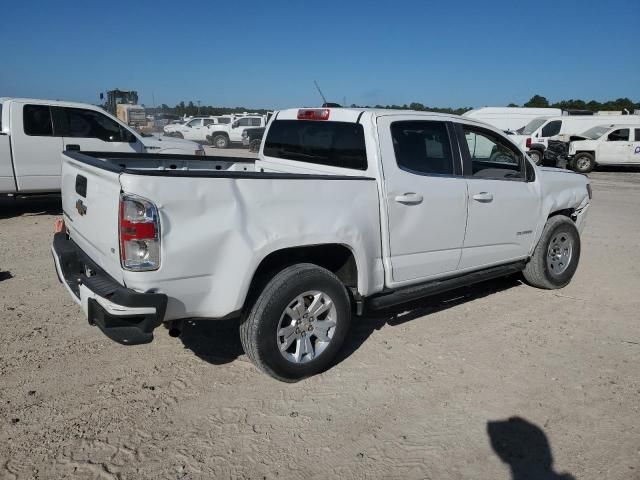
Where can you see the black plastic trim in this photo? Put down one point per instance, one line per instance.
(94, 159)
(401, 295)
(13, 165)
(127, 330)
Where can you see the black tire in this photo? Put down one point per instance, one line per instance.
(220, 141)
(558, 233)
(254, 145)
(583, 162)
(259, 326)
(536, 156)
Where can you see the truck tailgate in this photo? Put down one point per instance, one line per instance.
(90, 204)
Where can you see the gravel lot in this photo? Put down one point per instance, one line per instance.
(426, 393)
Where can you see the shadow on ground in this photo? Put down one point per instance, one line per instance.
(525, 448)
(215, 341)
(218, 341)
(5, 275)
(28, 206)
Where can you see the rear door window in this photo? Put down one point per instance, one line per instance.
(637, 133)
(422, 147)
(37, 120)
(337, 144)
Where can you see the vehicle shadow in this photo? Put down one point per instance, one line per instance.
(362, 328)
(214, 341)
(29, 206)
(5, 275)
(218, 341)
(525, 448)
(618, 168)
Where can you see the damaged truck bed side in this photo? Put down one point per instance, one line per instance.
(345, 209)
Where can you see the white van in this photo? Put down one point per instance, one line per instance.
(33, 134)
(510, 119)
(534, 138)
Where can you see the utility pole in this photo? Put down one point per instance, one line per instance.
(198, 107)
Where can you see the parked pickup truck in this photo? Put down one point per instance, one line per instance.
(34, 132)
(222, 136)
(344, 210)
(605, 145)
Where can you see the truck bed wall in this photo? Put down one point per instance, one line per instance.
(216, 231)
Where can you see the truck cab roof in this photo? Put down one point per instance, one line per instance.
(354, 114)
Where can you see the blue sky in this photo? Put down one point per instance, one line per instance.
(267, 53)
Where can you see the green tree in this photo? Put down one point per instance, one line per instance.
(537, 101)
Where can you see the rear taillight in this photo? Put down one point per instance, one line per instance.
(139, 234)
(528, 142)
(314, 114)
(200, 152)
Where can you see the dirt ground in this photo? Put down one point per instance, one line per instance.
(495, 382)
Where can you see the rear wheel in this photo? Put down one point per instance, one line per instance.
(584, 162)
(220, 141)
(555, 258)
(298, 323)
(254, 146)
(536, 156)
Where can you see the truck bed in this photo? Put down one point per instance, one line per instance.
(220, 217)
(171, 165)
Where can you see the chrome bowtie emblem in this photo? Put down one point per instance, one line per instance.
(82, 210)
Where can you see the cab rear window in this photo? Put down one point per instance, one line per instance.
(337, 144)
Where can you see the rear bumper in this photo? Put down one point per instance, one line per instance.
(123, 315)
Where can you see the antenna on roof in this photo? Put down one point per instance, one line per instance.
(324, 100)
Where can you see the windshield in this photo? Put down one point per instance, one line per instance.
(533, 125)
(595, 132)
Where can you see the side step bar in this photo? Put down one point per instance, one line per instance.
(414, 292)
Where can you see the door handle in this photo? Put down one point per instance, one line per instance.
(73, 146)
(483, 197)
(409, 198)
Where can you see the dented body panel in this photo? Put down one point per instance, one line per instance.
(216, 231)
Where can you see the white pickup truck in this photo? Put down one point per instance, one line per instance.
(34, 132)
(221, 136)
(196, 129)
(345, 209)
(605, 145)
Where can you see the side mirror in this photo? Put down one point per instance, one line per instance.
(234, 125)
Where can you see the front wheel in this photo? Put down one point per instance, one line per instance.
(220, 141)
(555, 258)
(584, 162)
(298, 323)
